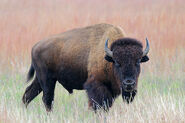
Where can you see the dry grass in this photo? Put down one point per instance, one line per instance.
(161, 96)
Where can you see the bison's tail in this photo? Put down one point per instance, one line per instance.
(30, 73)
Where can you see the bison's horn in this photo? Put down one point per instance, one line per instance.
(145, 52)
(107, 50)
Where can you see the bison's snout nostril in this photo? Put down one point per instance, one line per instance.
(129, 82)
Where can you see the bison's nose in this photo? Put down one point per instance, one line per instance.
(129, 84)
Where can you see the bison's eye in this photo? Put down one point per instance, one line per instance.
(117, 64)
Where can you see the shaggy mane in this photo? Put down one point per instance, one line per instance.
(126, 41)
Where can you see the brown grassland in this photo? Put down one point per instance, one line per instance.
(161, 91)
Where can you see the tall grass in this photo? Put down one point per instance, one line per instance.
(161, 91)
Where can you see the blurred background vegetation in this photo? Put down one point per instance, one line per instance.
(161, 91)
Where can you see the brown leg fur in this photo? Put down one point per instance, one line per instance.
(48, 86)
(99, 95)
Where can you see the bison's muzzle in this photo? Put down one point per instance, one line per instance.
(128, 84)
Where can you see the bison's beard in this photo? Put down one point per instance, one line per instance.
(128, 96)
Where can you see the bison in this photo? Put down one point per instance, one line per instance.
(80, 59)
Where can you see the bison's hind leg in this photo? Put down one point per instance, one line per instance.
(48, 82)
(70, 91)
(99, 95)
(31, 92)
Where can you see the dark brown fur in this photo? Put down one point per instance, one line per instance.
(76, 60)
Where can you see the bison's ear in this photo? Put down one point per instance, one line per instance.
(144, 59)
(109, 59)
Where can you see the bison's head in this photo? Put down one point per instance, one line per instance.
(126, 55)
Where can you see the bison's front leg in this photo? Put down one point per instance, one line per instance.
(99, 95)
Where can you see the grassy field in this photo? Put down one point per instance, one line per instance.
(161, 91)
